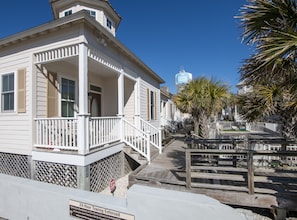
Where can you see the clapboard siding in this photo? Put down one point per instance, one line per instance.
(41, 95)
(144, 102)
(15, 128)
(129, 100)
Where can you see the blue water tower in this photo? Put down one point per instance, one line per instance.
(182, 78)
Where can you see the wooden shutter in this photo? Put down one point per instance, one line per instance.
(155, 105)
(21, 91)
(52, 95)
(148, 104)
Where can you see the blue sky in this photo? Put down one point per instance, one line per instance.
(202, 37)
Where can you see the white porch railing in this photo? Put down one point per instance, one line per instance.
(61, 133)
(56, 133)
(103, 130)
(155, 134)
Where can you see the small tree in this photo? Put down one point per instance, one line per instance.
(201, 98)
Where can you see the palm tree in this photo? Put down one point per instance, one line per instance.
(270, 101)
(201, 98)
(270, 26)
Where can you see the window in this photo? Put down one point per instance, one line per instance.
(67, 13)
(92, 13)
(7, 95)
(109, 23)
(67, 98)
(151, 105)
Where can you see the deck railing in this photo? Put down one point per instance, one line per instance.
(155, 134)
(103, 130)
(56, 133)
(248, 164)
(61, 134)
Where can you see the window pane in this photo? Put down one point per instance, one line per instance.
(71, 92)
(8, 101)
(5, 83)
(109, 23)
(64, 91)
(68, 98)
(11, 82)
(64, 109)
(70, 109)
(11, 101)
(67, 13)
(7, 92)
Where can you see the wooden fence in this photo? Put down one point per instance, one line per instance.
(248, 166)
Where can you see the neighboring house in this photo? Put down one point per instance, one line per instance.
(243, 87)
(72, 96)
(168, 107)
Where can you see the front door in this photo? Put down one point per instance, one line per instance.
(95, 105)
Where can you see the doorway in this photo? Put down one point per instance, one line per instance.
(95, 107)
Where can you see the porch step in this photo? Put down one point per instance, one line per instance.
(138, 157)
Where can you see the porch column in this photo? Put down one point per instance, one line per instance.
(83, 115)
(121, 94)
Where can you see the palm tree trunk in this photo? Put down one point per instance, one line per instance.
(203, 126)
(196, 125)
(289, 121)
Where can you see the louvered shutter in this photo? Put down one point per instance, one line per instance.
(21, 91)
(52, 95)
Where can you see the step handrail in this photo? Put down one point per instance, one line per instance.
(155, 134)
(136, 138)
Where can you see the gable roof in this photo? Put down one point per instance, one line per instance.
(78, 17)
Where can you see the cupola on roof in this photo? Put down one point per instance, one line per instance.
(100, 10)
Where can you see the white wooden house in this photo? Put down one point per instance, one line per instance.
(72, 96)
(168, 107)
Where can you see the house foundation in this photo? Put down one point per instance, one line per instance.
(93, 177)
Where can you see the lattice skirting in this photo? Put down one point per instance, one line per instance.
(15, 165)
(101, 172)
(59, 174)
(112, 167)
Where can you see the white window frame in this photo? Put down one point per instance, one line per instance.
(109, 23)
(14, 92)
(75, 107)
(152, 104)
(68, 12)
(92, 13)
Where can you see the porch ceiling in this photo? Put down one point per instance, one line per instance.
(70, 65)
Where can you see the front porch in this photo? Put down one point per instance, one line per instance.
(90, 100)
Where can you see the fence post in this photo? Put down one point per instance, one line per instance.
(234, 158)
(121, 127)
(188, 169)
(250, 166)
(160, 140)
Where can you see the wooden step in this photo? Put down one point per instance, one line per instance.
(216, 168)
(218, 176)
